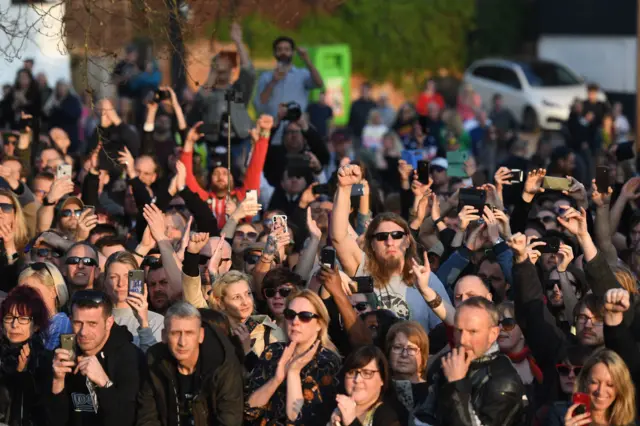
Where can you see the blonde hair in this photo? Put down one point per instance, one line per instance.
(626, 278)
(20, 231)
(322, 312)
(49, 277)
(121, 257)
(222, 283)
(415, 334)
(623, 409)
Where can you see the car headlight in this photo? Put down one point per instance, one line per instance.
(550, 103)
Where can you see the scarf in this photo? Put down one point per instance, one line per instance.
(525, 354)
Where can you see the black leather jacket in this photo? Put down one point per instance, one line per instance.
(492, 392)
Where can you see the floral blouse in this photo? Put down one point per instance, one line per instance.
(319, 388)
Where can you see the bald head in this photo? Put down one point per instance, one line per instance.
(470, 286)
(146, 169)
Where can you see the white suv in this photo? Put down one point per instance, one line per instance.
(538, 92)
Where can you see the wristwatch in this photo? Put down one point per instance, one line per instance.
(46, 202)
(108, 384)
(498, 241)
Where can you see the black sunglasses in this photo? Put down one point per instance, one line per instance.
(565, 370)
(384, 236)
(251, 259)
(550, 284)
(305, 316)
(86, 261)
(508, 324)
(45, 252)
(271, 292)
(69, 213)
(6, 207)
(152, 262)
(361, 306)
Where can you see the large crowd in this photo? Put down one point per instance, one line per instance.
(165, 259)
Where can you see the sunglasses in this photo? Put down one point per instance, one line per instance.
(45, 252)
(152, 262)
(548, 219)
(69, 213)
(384, 236)
(250, 235)
(438, 169)
(270, 293)
(304, 316)
(6, 207)
(551, 284)
(86, 261)
(251, 259)
(565, 370)
(508, 324)
(361, 306)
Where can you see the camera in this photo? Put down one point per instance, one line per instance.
(294, 112)
(233, 96)
(161, 95)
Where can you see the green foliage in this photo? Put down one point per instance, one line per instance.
(389, 39)
(500, 28)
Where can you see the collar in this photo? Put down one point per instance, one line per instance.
(490, 355)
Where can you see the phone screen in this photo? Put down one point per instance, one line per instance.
(602, 179)
(423, 171)
(136, 281)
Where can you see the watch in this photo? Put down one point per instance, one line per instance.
(108, 384)
(46, 202)
(498, 241)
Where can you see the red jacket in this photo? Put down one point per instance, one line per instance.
(251, 180)
(422, 104)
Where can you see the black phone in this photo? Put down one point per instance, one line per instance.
(477, 198)
(552, 244)
(517, 176)
(328, 257)
(602, 179)
(161, 95)
(321, 189)
(423, 171)
(363, 284)
(624, 151)
(357, 190)
(24, 123)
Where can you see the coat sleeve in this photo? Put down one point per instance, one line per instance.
(148, 414)
(229, 393)
(57, 407)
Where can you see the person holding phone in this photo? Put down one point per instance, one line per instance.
(131, 308)
(25, 361)
(304, 370)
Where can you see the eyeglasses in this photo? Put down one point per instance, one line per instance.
(304, 316)
(365, 374)
(508, 324)
(251, 259)
(282, 291)
(69, 213)
(250, 235)
(384, 236)
(583, 319)
(400, 350)
(9, 319)
(361, 306)
(45, 252)
(565, 369)
(152, 262)
(7, 208)
(86, 261)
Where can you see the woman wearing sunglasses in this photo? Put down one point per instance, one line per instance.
(232, 295)
(302, 371)
(25, 363)
(49, 282)
(277, 285)
(14, 235)
(366, 378)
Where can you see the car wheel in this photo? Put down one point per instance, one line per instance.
(529, 120)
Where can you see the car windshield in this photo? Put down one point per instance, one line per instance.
(548, 74)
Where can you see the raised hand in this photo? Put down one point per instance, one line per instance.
(193, 136)
(467, 215)
(455, 364)
(283, 363)
(312, 226)
(197, 241)
(518, 244)
(578, 192)
(299, 362)
(126, 159)
(308, 196)
(242, 333)
(629, 191)
(533, 184)
(600, 199)
(155, 222)
(59, 189)
(503, 221)
(574, 221)
(23, 358)
(263, 127)
(405, 169)
(502, 178)
(247, 208)
(349, 175)
(181, 175)
(86, 222)
(565, 253)
(140, 307)
(493, 227)
(422, 274)
(435, 207)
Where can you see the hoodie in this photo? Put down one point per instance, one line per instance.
(81, 403)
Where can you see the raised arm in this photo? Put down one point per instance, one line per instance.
(346, 247)
(602, 200)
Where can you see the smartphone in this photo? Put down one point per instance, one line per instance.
(363, 284)
(423, 171)
(517, 176)
(63, 170)
(68, 342)
(602, 179)
(136, 281)
(321, 189)
(281, 220)
(89, 207)
(552, 244)
(476, 198)
(24, 123)
(328, 257)
(556, 183)
(252, 195)
(584, 401)
(456, 161)
(357, 190)
(624, 151)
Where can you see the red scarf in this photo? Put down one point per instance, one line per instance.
(525, 353)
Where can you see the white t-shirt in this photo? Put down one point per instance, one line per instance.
(372, 136)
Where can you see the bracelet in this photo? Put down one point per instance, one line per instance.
(435, 302)
(265, 133)
(138, 254)
(437, 221)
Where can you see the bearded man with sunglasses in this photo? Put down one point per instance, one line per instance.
(387, 256)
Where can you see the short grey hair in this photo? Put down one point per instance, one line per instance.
(181, 309)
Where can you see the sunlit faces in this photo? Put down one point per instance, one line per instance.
(7, 215)
(91, 327)
(183, 337)
(568, 373)
(80, 275)
(237, 301)
(117, 282)
(245, 234)
(17, 327)
(405, 357)
(390, 251)
(146, 169)
(474, 330)
(364, 385)
(41, 188)
(219, 179)
(158, 286)
(589, 328)
(510, 338)
(601, 387)
(69, 215)
(298, 330)
(470, 286)
(276, 298)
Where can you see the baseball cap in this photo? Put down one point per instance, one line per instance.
(440, 162)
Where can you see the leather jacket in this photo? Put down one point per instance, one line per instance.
(491, 394)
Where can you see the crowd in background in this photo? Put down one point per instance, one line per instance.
(166, 259)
